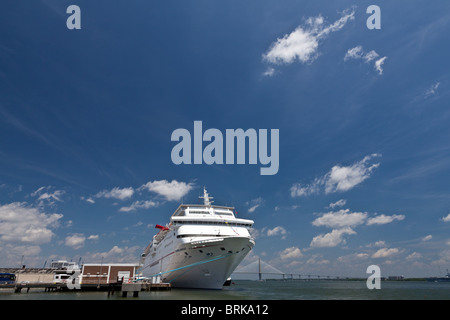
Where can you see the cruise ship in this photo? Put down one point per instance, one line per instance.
(200, 247)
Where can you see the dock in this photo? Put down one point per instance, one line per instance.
(48, 287)
(136, 287)
(111, 277)
(111, 287)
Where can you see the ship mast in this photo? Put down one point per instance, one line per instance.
(206, 198)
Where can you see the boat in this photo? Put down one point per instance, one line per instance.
(200, 247)
(445, 278)
(64, 271)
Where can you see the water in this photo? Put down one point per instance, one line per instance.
(265, 290)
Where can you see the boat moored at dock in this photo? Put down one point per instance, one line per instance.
(200, 247)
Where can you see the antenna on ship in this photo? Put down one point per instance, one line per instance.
(206, 198)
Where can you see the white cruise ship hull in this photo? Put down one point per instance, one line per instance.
(201, 262)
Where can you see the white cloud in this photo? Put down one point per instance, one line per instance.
(338, 179)
(38, 191)
(115, 254)
(291, 253)
(339, 203)
(302, 44)
(75, 241)
(444, 258)
(11, 254)
(446, 218)
(414, 256)
(331, 239)
(45, 196)
(359, 53)
(278, 230)
(299, 44)
(340, 219)
(317, 259)
(342, 222)
(299, 190)
(56, 195)
(143, 204)
(172, 191)
(432, 90)
(383, 219)
(353, 258)
(116, 193)
(379, 243)
(90, 200)
(269, 72)
(371, 55)
(22, 223)
(291, 207)
(346, 218)
(346, 178)
(255, 203)
(378, 65)
(385, 253)
(354, 53)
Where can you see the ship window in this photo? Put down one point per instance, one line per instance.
(180, 213)
(223, 213)
(198, 212)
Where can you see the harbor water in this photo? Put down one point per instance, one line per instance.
(265, 290)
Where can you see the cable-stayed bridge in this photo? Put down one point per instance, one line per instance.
(261, 270)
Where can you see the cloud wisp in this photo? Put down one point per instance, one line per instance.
(358, 53)
(338, 179)
(302, 44)
(116, 193)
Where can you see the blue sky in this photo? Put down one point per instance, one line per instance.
(86, 118)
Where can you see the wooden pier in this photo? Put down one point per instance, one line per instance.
(48, 287)
(136, 287)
